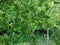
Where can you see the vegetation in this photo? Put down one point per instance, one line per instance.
(28, 21)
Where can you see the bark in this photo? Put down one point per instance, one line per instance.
(47, 42)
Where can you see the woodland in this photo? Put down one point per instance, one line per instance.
(29, 22)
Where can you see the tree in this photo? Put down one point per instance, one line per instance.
(20, 18)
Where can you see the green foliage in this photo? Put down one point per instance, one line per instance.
(25, 16)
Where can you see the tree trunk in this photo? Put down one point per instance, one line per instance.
(47, 42)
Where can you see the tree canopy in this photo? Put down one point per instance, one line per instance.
(25, 16)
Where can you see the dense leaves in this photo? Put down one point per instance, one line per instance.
(19, 18)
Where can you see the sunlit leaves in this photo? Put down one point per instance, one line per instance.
(25, 16)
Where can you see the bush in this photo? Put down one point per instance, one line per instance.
(19, 18)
